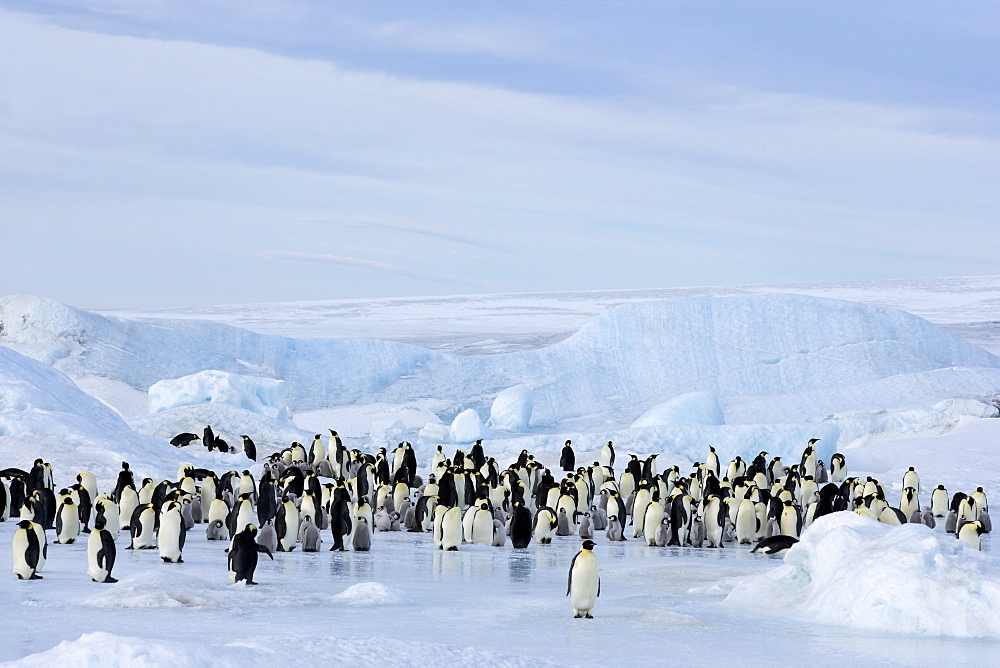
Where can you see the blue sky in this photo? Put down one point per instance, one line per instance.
(185, 153)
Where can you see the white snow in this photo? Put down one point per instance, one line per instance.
(511, 409)
(852, 571)
(265, 396)
(691, 408)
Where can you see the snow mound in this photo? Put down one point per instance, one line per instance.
(852, 571)
(265, 396)
(691, 408)
(467, 427)
(511, 410)
(369, 594)
(100, 650)
(150, 589)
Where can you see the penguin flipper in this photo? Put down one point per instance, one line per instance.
(569, 580)
(598, 586)
(265, 550)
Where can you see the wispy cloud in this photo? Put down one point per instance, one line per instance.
(375, 265)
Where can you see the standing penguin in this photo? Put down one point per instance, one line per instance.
(286, 525)
(101, 552)
(309, 535)
(142, 526)
(520, 526)
(362, 541)
(451, 529)
(615, 531)
(340, 519)
(607, 457)
(67, 521)
(567, 461)
(584, 585)
(267, 536)
(249, 449)
(243, 555)
(170, 538)
(27, 550)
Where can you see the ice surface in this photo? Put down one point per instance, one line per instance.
(852, 571)
(692, 408)
(265, 396)
(768, 358)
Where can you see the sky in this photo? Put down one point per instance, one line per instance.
(210, 152)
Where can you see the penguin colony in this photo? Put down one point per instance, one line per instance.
(326, 489)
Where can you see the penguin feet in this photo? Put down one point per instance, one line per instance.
(110, 580)
(577, 616)
(589, 616)
(35, 576)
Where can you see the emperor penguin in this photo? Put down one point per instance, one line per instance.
(970, 532)
(208, 497)
(712, 461)
(89, 482)
(286, 525)
(27, 551)
(520, 526)
(341, 521)
(101, 552)
(267, 537)
(607, 457)
(615, 531)
(778, 544)
(245, 512)
(451, 529)
(567, 460)
(142, 527)
(790, 521)
(838, 468)
(438, 523)
(170, 538)
(584, 582)
(108, 510)
(482, 525)
(651, 519)
(243, 555)
(309, 535)
(642, 499)
(67, 522)
(909, 503)
(216, 530)
(586, 527)
(746, 520)
(939, 501)
(714, 516)
(362, 540)
(562, 524)
(545, 522)
(249, 448)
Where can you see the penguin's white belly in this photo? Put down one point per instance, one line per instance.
(585, 583)
(482, 527)
(93, 547)
(451, 529)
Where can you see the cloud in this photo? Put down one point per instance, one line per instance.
(246, 152)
